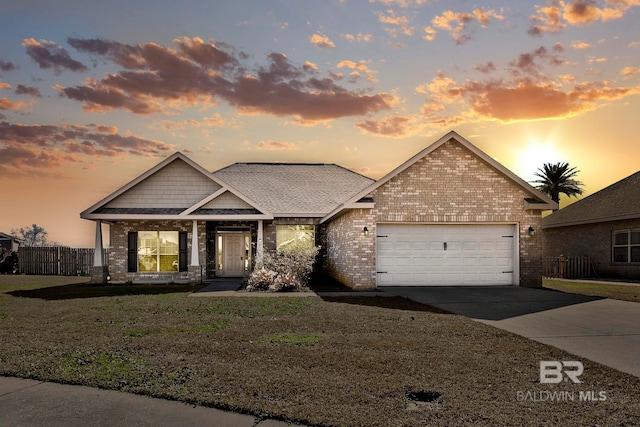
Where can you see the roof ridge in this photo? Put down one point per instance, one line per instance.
(294, 164)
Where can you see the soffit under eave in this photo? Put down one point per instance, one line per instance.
(201, 217)
(591, 221)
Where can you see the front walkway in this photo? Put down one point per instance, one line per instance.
(36, 403)
(604, 330)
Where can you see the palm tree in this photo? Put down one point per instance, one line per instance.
(558, 178)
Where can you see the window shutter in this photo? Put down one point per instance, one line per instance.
(182, 251)
(132, 252)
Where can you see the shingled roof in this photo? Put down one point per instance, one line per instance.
(618, 201)
(294, 188)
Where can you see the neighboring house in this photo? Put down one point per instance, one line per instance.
(605, 226)
(450, 215)
(8, 242)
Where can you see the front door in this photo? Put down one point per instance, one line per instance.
(233, 254)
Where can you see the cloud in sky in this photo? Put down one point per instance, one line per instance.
(214, 121)
(48, 54)
(34, 149)
(28, 90)
(393, 126)
(322, 42)
(525, 98)
(458, 23)
(7, 66)
(276, 146)
(557, 15)
(159, 79)
(360, 37)
(395, 24)
(7, 104)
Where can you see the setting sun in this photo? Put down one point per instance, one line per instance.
(534, 155)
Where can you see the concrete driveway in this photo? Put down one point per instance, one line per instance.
(600, 329)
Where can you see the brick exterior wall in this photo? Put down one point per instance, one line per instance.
(119, 232)
(594, 240)
(450, 185)
(350, 254)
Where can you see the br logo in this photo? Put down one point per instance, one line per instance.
(553, 371)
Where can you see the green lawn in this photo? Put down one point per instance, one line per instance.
(621, 292)
(339, 362)
(9, 282)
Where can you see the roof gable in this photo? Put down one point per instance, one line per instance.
(175, 187)
(227, 200)
(537, 201)
(620, 200)
(5, 236)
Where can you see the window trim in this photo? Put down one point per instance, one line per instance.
(629, 245)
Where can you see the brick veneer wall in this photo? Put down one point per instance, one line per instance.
(350, 256)
(119, 245)
(594, 240)
(450, 185)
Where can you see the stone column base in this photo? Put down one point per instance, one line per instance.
(99, 274)
(196, 273)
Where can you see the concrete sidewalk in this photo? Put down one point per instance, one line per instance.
(35, 403)
(604, 330)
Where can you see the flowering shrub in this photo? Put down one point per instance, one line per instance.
(261, 279)
(286, 283)
(283, 271)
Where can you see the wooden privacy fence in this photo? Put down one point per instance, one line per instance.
(56, 260)
(567, 267)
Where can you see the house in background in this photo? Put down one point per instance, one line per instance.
(8, 242)
(450, 215)
(604, 226)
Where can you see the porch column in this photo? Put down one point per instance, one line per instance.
(259, 244)
(195, 257)
(99, 270)
(98, 258)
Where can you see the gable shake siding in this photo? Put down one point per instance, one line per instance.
(177, 185)
(450, 185)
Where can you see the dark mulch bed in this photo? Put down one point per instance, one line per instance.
(93, 291)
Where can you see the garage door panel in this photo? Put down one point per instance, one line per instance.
(420, 246)
(473, 254)
(385, 262)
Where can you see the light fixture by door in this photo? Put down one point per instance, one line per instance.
(365, 230)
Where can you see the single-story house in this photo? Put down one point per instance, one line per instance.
(9, 243)
(604, 226)
(450, 215)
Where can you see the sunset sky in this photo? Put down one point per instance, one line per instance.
(94, 93)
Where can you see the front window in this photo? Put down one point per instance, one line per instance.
(295, 238)
(626, 246)
(158, 251)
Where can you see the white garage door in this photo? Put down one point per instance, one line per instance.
(445, 255)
